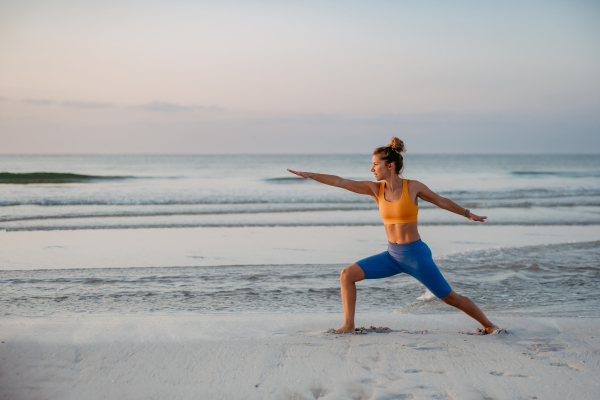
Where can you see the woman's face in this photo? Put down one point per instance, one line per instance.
(381, 170)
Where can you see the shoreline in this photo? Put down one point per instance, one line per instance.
(290, 356)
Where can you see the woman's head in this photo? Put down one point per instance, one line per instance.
(390, 154)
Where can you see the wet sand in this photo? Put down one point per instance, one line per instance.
(130, 248)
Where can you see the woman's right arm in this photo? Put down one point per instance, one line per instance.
(360, 187)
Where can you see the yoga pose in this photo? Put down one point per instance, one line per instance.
(398, 199)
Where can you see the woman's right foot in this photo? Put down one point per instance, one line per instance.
(345, 329)
(491, 329)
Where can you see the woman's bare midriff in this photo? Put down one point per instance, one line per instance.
(402, 233)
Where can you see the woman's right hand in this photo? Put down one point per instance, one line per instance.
(300, 174)
(477, 218)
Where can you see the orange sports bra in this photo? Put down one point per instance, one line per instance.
(397, 212)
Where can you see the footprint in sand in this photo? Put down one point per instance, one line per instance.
(404, 396)
(417, 346)
(318, 391)
(544, 347)
(417, 371)
(511, 375)
(532, 356)
(565, 365)
(391, 377)
(363, 331)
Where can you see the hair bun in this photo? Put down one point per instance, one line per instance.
(397, 145)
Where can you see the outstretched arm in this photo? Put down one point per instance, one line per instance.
(360, 187)
(426, 194)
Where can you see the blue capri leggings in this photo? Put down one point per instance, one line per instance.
(414, 259)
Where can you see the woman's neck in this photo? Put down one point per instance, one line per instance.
(394, 183)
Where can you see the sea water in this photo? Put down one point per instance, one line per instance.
(70, 192)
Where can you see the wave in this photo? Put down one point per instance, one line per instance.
(500, 253)
(171, 202)
(535, 173)
(291, 179)
(296, 179)
(575, 257)
(53, 177)
(566, 174)
(275, 224)
(534, 193)
(188, 213)
(282, 209)
(332, 204)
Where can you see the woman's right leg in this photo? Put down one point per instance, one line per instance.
(348, 278)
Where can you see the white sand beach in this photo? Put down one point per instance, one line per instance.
(288, 356)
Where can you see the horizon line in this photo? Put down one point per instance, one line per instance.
(294, 154)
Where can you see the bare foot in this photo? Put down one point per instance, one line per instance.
(492, 329)
(345, 329)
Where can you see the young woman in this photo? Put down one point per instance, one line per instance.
(398, 199)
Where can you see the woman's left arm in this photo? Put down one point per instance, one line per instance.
(423, 192)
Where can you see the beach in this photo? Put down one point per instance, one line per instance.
(283, 356)
(289, 355)
(150, 277)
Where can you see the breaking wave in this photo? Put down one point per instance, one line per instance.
(53, 177)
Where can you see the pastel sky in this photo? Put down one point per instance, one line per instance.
(185, 76)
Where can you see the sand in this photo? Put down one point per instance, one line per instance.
(130, 248)
(289, 356)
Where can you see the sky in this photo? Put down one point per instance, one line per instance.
(185, 76)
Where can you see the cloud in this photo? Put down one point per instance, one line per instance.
(171, 107)
(40, 102)
(75, 104)
(85, 104)
(159, 106)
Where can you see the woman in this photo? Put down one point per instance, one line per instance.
(397, 199)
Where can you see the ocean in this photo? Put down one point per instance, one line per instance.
(118, 192)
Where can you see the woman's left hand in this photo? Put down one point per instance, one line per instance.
(477, 218)
(300, 174)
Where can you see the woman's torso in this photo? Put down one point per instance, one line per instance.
(399, 211)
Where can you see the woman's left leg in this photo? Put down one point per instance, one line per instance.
(419, 263)
(467, 306)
